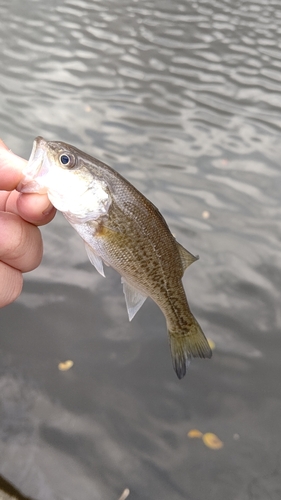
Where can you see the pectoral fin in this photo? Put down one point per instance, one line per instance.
(95, 259)
(134, 299)
(186, 257)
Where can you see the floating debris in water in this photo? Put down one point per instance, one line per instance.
(209, 439)
(224, 162)
(9, 492)
(194, 433)
(212, 441)
(65, 365)
(125, 494)
(205, 214)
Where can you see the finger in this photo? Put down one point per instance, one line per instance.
(11, 166)
(20, 243)
(11, 284)
(34, 208)
(4, 195)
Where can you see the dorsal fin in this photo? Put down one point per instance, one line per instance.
(186, 257)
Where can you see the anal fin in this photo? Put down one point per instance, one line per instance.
(134, 299)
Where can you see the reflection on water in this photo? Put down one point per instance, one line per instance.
(184, 100)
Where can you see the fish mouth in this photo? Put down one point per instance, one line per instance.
(35, 170)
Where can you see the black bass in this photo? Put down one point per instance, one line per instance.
(122, 229)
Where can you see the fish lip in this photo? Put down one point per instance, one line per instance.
(28, 184)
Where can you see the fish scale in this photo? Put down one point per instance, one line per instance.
(123, 229)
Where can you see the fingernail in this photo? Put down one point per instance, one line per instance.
(48, 209)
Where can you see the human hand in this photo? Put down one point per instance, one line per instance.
(21, 246)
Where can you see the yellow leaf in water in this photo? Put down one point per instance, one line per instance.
(212, 441)
(65, 365)
(211, 343)
(194, 433)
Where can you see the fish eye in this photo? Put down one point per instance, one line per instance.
(67, 160)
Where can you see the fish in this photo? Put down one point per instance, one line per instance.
(121, 228)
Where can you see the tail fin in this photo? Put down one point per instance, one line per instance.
(187, 344)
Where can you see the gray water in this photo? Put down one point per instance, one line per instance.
(182, 98)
